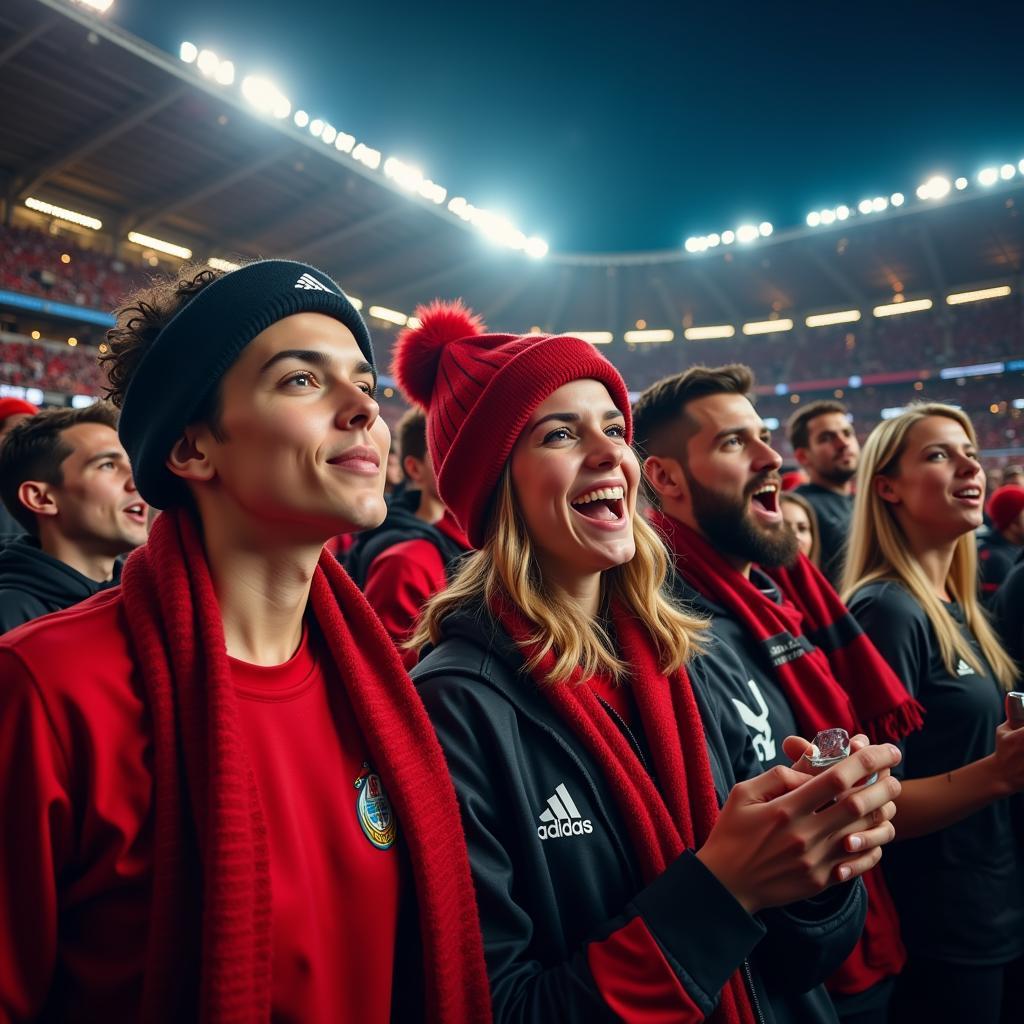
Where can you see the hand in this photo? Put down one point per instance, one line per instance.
(784, 836)
(1009, 757)
(798, 750)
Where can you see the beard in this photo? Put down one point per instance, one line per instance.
(729, 525)
(839, 474)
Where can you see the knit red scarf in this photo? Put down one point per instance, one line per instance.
(210, 946)
(873, 699)
(665, 821)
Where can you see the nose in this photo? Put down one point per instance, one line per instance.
(357, 409)
(605, 452)
(766, 457)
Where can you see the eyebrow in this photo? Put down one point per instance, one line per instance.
(762, 431)
(314, 358)
(105, 455)
(572, 417)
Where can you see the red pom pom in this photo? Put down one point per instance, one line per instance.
(418, 349)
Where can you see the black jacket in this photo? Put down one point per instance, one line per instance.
(33, 583)
(554, 909)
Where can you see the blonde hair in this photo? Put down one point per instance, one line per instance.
(878, 549)
(506, 567)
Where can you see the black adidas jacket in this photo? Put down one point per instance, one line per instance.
(560, 915)
(33, 583)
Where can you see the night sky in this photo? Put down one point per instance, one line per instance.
(618, 127)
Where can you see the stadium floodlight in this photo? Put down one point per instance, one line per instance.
(898, 308)
(344, 142)
(432, 191)
(188, 52)
(936, 187)
(367, 156)
(99, 6)
(265, 96)
(988, 176)
(841, 316)
(83, 401)
(328, 135)
(960, 184)
(693, 244)
(404, 175)
(958, 298)
(864, 206)
(709, 332)
(648, 337)
(536, 248)
(225, 74)
(301, 119)
(842, 212)
(208, 62)
(897, 199)
(813, 219)
(728, 237)
(892, 411)
(71, 216)
(594, 337)
(415, 322)
(768, 326)
(1020, 167)
(149, 242)
(747, 233)
(218, 264)
(316, 127)
(764, 229)
(828, 217)
(356, 303)
(714, 239)
(390, 316)
(879, 203)
(1007, 171)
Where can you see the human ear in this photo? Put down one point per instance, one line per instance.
(886, 489)
(189, 458)
(665, 476)
(38, 497)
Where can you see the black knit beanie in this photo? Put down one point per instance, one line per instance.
(185, 363)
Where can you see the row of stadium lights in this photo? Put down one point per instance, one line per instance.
(710, 332)
(265, 97)
(935, 188)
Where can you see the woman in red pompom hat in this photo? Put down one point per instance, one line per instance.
(588, 752)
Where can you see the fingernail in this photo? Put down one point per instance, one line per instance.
(855, 843)
(894, 750)
(844, 874)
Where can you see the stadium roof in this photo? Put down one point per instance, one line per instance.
(98, 121)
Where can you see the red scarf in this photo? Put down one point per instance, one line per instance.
(662, 822)
(211, 890)
(873, 700)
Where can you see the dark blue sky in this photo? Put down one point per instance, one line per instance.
(631, 126)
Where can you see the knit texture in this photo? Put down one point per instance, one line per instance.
(842, 682)
(210, 947)
(665, 820)
(1005, 505)
(480, 390)
(184, 364)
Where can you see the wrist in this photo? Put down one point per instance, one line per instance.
(744, 899)
(998, 785)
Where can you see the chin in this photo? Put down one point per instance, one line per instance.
(365, 515)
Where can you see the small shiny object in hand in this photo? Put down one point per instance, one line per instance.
(830, 747)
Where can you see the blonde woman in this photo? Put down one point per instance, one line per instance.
(609, 884)
(957, 873)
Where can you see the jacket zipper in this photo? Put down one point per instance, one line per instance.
(753, 991)
(625, 729)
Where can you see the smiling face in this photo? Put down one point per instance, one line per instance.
(937, 490)
(724, 482)
(575, 480)
(96, 505)
(300, 446)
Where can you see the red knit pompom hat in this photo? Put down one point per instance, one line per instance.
(479, 391)
(1005, 505)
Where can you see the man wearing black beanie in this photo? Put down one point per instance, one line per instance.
(217, 783)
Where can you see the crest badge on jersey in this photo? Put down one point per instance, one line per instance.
(376, 818)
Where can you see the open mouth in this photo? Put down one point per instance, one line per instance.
(971, 494)
(765, 501)
(136, 512)
(603, 505)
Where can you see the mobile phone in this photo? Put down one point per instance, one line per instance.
(1015, 709)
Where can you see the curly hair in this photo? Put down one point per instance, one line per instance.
(141, 318)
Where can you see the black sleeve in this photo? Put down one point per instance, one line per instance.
(17, 608)
(1008, 612)
(673, 946)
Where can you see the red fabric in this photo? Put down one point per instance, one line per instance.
(307, 751)
(178, 637)
(636, 980)
(402, 578)
(873, 699)
(340, 545)
(662, 823)
(15, 407)
(1005, 505)
(480, 390)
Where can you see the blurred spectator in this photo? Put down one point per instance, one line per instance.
(65, 477)
(999, 548)
(1013, 476)
(825, 445)
(12, 412)
(802, 521)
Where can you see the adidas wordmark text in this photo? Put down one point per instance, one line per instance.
(562, 817)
